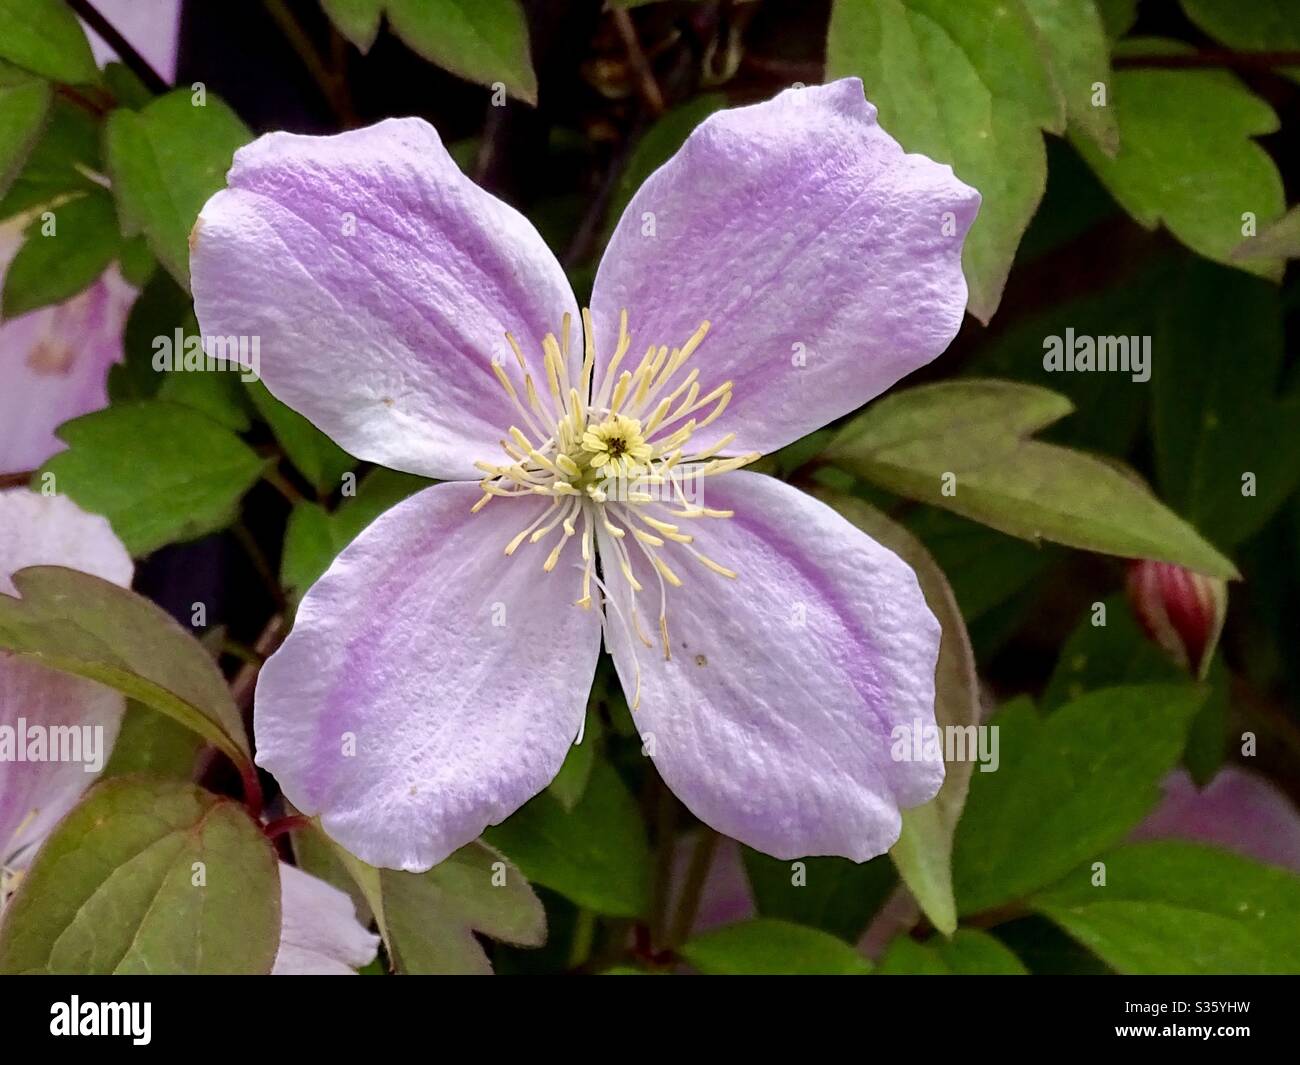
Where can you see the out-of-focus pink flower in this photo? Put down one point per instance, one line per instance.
(37, 530)
(152, 27)
(320, 933)
(726, 897)
(55, 360)
(1238, 810)
(1181, 610)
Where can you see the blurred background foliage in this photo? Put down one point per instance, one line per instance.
(1136, 161)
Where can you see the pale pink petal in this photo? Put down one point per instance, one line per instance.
(54, 362)
(151, 27)
(380, 282)
(772, 721)
(826, 259)
(430, 685)
(37, 530)
(320, 934)
(1239, 810)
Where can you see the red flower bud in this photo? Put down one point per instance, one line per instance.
(1180, 610)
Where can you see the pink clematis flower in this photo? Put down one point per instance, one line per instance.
(1238, 810)
(788, 264)
(55, 360)
(38, 530)
(320, 933)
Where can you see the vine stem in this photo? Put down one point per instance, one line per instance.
(275, 829)
(645, 76)
(1210, 57)
(332, 83)
(697, 874)
(133, 60)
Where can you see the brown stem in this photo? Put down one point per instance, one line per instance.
(697, 873)
(332, 85)
(241, 688)
(1211, 57)
(645, 75)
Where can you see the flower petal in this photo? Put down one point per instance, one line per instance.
(826, 259)
(772, 721)
(35, 795)
(458, 676)
(54, 362)
(40, 530)
(319, 931)
(151, 26)
(379, 281)
(1238, 810)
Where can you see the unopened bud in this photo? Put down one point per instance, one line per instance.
(1180, 610)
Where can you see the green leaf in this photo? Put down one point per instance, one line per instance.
(44, 36)
(964, 445)
(126, 87)
(1109, 407)
(161, 308)
(923, 853)
(313, 453)
(50, 268)
(66, 149)
(309, 548)
(1078, 52)
(570, 783)
(216, 393)
(1101, 656)
(1270, 27)
(1187, 157)
(984, 567)
(965, 84)
(159, 472)
(23, 110)
(165, 161)
(431, 917)
(79, 624)
(1180, 908)
(1118, 16)
(153, 743)
(428, 920)
(484, 41)
(315, 537)
(1068, 786)
(357, 20)
(1216, 415)
(834, 895)
(1117, 652)
(968, 952)
(767, 947)
(147, 876)
(596, 855)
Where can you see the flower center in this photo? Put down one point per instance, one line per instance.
(614, 454)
